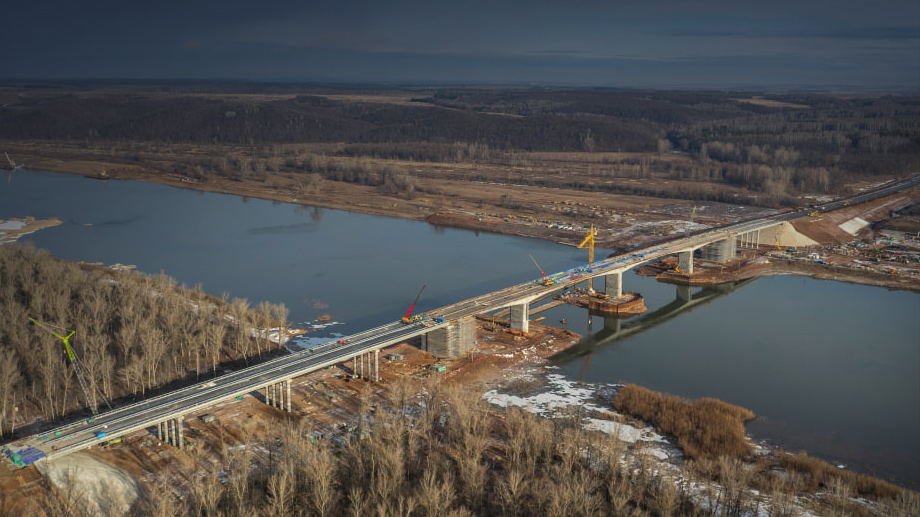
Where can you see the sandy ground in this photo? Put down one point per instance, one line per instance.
(98, 487)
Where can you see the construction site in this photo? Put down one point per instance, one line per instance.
(330, 404)
(326, 405)
(854, 244)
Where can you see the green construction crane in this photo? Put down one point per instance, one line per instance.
(77, 366)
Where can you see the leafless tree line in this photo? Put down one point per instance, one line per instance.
(133, 333)
(444, 452)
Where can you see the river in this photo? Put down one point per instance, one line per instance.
(828, 367)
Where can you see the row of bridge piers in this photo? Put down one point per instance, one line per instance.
(278, 395)
(367, 366)
(458, 336)
(171, 432)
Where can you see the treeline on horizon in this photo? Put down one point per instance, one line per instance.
(133, 333)
(778, 146)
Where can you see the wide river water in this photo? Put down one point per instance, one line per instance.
(828, 367)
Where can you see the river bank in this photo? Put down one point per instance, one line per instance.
(766, 265)
(534, 213)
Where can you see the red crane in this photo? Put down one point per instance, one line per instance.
(546, 281)
(406, 318)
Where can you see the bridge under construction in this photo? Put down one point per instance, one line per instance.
(447, 332)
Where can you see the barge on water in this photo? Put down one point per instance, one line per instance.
(627, 305)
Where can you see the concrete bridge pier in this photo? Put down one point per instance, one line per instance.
(749, 239)
(685, 262)
(170, 431)
(287, 394)
(278, 395)
(520, 318)
(613, 284)
(719, 251)
(453, 340)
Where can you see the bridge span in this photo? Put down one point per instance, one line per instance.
(447, 331)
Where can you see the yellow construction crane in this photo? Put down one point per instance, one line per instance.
(75, 362)
(589, 241)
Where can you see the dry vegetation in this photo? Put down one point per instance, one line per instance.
(442, 451)
(435, 459)
(710, 433)
(134, 334)
(703, 428)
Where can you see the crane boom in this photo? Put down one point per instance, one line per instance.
(406, 317)
(77, 366)
(546, 281)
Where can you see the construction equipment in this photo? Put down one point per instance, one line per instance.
(589, 240)
(13, 167)
(546, 281)
(77, 366)
(408, 317)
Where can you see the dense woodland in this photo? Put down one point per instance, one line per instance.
(133, 333)
(778, 146)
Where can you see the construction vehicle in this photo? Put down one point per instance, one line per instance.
(408, 317)
(77, 365)
(546, 280)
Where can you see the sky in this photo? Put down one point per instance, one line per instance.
(618, 43)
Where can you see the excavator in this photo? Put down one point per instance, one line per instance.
(408, 318)
(546, 281)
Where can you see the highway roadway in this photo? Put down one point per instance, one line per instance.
(196, 398)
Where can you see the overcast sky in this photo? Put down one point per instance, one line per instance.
(695, 43)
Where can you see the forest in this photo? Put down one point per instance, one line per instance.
(134, 334)
(706, 144)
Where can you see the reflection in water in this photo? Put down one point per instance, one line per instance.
(616, 329)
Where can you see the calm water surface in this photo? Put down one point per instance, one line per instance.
(829, 367)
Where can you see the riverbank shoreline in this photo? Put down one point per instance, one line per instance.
(342, 197)
(763, 266)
